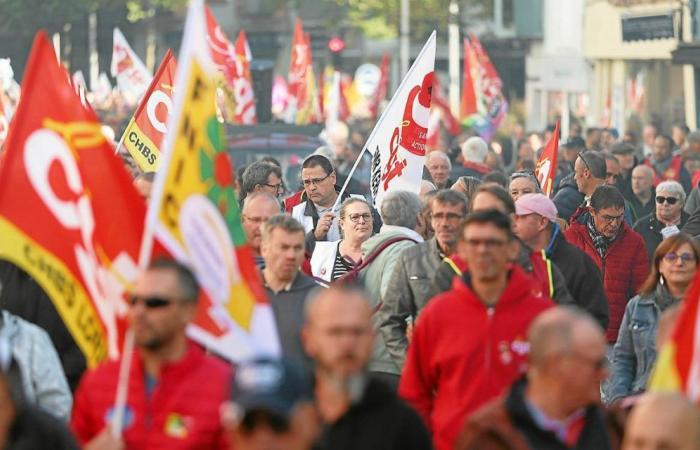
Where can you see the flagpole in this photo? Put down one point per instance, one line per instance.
(347, 180)
(117, 424)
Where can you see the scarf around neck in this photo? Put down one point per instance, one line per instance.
(600, 241)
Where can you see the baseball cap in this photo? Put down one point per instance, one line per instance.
(537, 204)
(574, 142)
(271, 385)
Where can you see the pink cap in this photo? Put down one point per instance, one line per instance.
(537, 204)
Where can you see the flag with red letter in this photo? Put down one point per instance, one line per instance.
(69, 215)
(143, 136)
(303, 105)
(233, 61)
(194, 211)
(397, 143)
(132, 76)
(546, 168)
(678, 364)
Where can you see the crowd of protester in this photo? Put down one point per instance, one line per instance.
(476, 313)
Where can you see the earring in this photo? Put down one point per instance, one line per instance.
(662, 281)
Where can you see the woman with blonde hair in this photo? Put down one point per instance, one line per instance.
(673, 270)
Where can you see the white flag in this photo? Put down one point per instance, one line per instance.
(397, 143)
(132, 76)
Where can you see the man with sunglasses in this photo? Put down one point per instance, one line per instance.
(174, 388)
(573, 195)
(617, 250)
(271, 407)
(556, 405)
(469, 343)
(667, 220)
(315, 210)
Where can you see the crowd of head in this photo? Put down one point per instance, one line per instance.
(477, 312)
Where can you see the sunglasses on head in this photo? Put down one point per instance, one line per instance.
(670, 200)
(150, 302)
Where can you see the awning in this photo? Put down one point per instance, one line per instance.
(686, 53)
(644, 28)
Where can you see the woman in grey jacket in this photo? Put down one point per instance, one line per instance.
(674, 265)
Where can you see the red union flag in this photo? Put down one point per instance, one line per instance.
(233, 61)
(145, 132)
(69, 215)
(397, 143)
(546, 168)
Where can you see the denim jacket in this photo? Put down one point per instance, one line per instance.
(634, 353)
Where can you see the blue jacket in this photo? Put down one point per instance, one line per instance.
(634, 353)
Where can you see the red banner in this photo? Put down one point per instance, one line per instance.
(468, 104)
(382, 87)
(144, 135)
(69, 215)
(546, 168)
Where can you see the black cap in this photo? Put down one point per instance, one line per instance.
(271, 385)
(574, 142)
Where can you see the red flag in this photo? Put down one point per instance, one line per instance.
(440, 102)
(69, 215)
(383, 85)
(143, 136)
(546, 168)
(233, 61)
(468, 104)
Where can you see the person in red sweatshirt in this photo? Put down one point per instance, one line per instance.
(469, 343)
(175, 391)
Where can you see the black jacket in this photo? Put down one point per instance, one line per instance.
(379, 421)
(506, 423)
(582, 277)
(34, 429)
(650, 229)
(639, 210)
(568, 197)
(23, 297)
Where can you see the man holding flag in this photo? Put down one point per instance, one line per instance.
(174, 389)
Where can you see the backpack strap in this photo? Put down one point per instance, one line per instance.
(352, 274)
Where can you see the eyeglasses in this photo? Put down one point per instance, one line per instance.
(447, 216)
(279, 187)
(315, 181)
(355, 218)
(672, 257)
(254, 419)
(660, 199)
(150, 302)
(610, 219)
(488, 243)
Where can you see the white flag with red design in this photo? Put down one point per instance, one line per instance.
(132, 76)
(397, 143)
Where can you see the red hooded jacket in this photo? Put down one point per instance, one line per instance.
(182, 411)
(623, 268)
(464, 353)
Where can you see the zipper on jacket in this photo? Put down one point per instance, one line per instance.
(490, 311)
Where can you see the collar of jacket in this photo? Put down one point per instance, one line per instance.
(478, 167)
(299, 282)
(192, 358)
(518, 287)
(661, 297)
(310, 209)
(656, 225)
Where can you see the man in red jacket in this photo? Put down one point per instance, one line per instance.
(174, 389)
(617, 250)
(470, 343)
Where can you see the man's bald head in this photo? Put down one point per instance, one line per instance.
(663, 420)
(258, 207)
(559, 330)
(338, 333)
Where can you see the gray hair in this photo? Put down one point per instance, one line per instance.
(401, 208)
(438, 154)
(282, 221)
(260, 195)
(475, 149)
(673, 187)
(257, 174)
